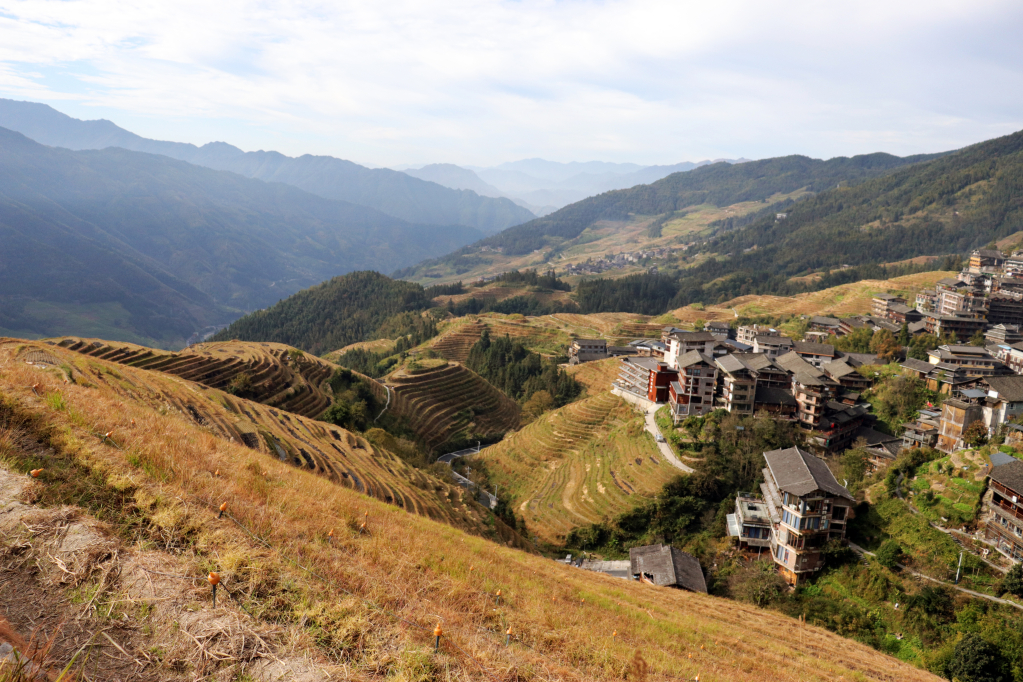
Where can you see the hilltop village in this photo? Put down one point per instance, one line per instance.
(961, 341)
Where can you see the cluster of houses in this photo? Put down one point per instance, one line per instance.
(697, 372)
(620, 260)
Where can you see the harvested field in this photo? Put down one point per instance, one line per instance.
(578, 465)
(841, 301)
(366, 602)
(339, 455)
(448, 401)
(456, 342)
(375, 346)
(595, 376)
(278, 375)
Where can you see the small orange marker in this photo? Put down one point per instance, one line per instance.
(437, 632)
(217, 472)
(614, 634)
(133, 422)
(214, 580)
(362, 528)
(507, 641)
(223, 508)
(498, 596)
(331, 535)
(35, 473)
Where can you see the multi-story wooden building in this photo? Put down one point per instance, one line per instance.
(807, 507)
(737, 384)
(816, 354)
(986, 260)
(961, 326)
(691, 393)
(1004, 506)
(882, 303)
(956, 417)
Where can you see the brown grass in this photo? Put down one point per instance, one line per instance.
(841, 301)
(411, 568)
(595, 376)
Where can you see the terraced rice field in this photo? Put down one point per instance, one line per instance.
(638, 330)
(595, 376)
(500, 291)
(374, 346)
(841, 301)
(581, 464)
(278, 379)
(456, 343)
(445, 402)
(339, 455)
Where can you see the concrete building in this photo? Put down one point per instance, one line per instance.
(882, 303)
(692, 392)
(750, 523)
(647, 378)
(587, 350)
(680, 342)
(747, 333)
(772, 345)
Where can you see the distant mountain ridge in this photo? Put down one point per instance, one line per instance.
(141, 247)
(394, 193)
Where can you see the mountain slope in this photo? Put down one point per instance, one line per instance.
(717, 185)
(949, 205)
(368, 601)
(396, 194)
(159, 248)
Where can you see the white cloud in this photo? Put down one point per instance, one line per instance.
(487, 81)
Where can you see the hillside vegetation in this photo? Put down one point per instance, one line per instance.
(363, 603)
(717, 185)
(396, 194)
(948, 205)
(579, 465)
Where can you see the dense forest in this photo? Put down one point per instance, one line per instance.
(331, 315)
(950, 205)
(520, 373)
(409, 330)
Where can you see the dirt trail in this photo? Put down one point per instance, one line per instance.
(67, 581)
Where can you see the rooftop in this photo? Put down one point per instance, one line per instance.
(669, 567)
(1010, 475)
(693, 357)
(1008, 388)
(800, 473)
(811, 348)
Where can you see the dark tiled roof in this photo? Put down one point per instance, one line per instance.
(691, 337)
(795, 364)
(766, 395)
(814, 348)
(1009, 388)
(899, 308)
(857, 359)
(667, 566)
(1010, 475)
(989, 253)
(1000, 458)
(837, 370)
(800, 473)
(693, 357)
(874, 437)
(888, 297)
(824, 321)
(917, 365)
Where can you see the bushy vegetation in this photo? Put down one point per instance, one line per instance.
(354, 405)
(409, 330)
(331, 315)
(520, 373)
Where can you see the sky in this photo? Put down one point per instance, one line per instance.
(480, 83)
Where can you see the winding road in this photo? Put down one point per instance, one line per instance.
(665, 448)
(462, 480)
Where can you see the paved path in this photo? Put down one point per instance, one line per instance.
(462, 480)
(979, 595)
(665, 448)
(388, 389)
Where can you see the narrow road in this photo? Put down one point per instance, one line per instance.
(462, 480)
(665, 448)
(980, 595)
(388, 389)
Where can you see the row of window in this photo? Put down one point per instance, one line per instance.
(800, 523)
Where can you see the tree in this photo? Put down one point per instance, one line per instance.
(904, 335)
(975, 434)
(1013, 581)
(759, 583)
(538, 403)
(978, 339)
(888, 554)
(854, 462)
(976, 660)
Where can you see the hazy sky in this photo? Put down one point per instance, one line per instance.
(490, 81)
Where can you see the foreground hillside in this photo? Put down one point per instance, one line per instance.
(579, 465)
(269, 434)
(363, 604)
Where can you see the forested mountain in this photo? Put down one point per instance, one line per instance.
(948, 205)
(720, 184)
(333, 314)
(394, 193)
(141, 247)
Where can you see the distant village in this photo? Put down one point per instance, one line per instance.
(754, 369)
(621, 260)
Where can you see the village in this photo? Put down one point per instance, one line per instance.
(975, 368)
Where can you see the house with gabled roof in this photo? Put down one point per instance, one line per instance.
(666, 566)
(808, 508)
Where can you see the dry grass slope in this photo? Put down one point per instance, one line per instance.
(581, 464)
(280, 375)
(456, 341)
(447, 401)
(339, 455)
(406, 567)
(843, 300)
(595, 376)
